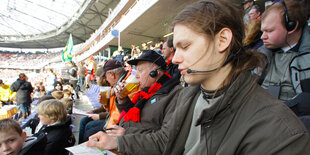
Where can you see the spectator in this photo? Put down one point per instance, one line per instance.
(50, 81)
(68, 103)
(14, 141)
(224, 110)
(58, 86)
(150, 109)
(113, 71)
(6, 95)
(135, 52)
(57, 94)
(34, 122)
(73, 75)
(23, 95)
(36, 92)
(286, 38)
(254, 13)
(168, 53)
(143, 46)
(67, 93)
(91, 68)
(90, 125)
(56, 126)
(81, 75)
(286, 46)
(119, 54)
(247, 5)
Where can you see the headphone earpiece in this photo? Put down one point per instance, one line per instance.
(289, 24)
(154, 73)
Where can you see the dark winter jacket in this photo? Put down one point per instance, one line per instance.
(34, 145)
(249, 121)
(301, 107)
(173, 70)
(59, 136)
(24, 90)
(156, 112)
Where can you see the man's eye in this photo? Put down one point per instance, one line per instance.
(185, 46)
(11, 140)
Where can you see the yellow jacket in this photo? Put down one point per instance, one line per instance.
(6, 94)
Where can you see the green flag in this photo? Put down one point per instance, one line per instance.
(67, 54)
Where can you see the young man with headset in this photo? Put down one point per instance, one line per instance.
(148, 111)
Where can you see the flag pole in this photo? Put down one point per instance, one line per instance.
(119, 39)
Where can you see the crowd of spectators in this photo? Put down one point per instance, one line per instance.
(11, 59)
(232, 101)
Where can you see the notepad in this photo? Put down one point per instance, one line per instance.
(82, 149)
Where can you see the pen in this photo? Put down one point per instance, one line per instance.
(101, 150)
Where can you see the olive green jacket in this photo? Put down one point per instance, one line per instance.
(247, 120)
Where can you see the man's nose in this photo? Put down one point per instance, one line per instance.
(6, 148)
(264, 36)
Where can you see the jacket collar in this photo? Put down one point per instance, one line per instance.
(67, 122)
(232, 99)
(168, 86)
(304, 41)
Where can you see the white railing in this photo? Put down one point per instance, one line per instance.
(135, 11)
(110, 18)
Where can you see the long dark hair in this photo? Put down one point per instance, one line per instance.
(209, 17)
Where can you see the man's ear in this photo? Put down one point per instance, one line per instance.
(223, 39)
(24, 135)
(113, 75)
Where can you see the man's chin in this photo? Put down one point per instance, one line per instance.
(11, 153)
(269, 46)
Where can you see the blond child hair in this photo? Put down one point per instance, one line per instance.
(68, 87)
(67, 102)
(67, 93)
(57, 94)
(53, 109)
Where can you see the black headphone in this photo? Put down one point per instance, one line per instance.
(154, 72)
(289, 24)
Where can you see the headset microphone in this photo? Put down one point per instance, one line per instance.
(194, 71)
(212, 70)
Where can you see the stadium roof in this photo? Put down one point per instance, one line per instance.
(28, 17)
(48, 23)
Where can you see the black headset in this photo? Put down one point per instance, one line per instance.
(289, 24)
(154, 72)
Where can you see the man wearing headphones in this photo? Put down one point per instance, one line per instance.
(286, 47)
(147, 112)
